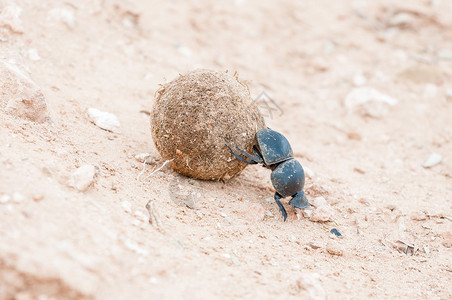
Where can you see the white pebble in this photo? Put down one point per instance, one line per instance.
(318, 202)
(126, 206)
(359, 79)
(308, 172)
(63, 15)
(432, 160)
(430, 91)
(83, 177)
(140, 216)
(369, 102)
(10, 18)
(310, 286)
(33, 54)
(4, 198)
(144, 157)
(18, 197)
(307, 213)
(104, 120)
(185, 51)
(322, 214)
(269, 200)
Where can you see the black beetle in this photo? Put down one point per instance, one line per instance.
(275, 153)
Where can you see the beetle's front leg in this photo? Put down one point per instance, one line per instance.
(281, 207)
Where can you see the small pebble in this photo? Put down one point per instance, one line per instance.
(255, 212)
(5, 199)
(322, 214)
(369, 102)
(318, 202)
(10, 18)
(18, 197)
(145, 157)
(33, 54)
(126, 206)
(310, 287)
(141, 216)
(334, 248)
(83, 177)
(63, 15)
(432, 160)
(418, 216)
(307, 213)
(308, 172)
(269, 200)
(359, 79)
(104, 120)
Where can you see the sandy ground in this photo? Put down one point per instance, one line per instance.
(318, 61)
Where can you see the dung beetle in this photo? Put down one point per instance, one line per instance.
(275, 153)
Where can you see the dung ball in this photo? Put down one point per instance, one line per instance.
(195, 115)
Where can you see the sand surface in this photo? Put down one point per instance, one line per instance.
(362, 90)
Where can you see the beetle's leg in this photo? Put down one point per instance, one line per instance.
(299, 200)
(281, 207)
(254, 158)
(252, 162)
(258, 155)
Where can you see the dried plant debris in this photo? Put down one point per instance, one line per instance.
(406, 248)
(185, 192)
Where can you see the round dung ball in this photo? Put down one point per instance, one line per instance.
(195, 115)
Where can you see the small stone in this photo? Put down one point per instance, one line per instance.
(310, 287)
(447, 239)
(33, 54)
(422, 73)
(141, 216)
(432, 160)
(308, 172)
(269, 200)
(63, 15)
(369, 102)
(5, 199)
(418, 216)
(104, 120)
(185, 51)
(255, 212)
(391, 206)
(307, 213)
(334, 248)
(430, 91)
(20, 96)
(359, 79)
(447, 243)
(445, 54)
(322, 214)
(319, 201)
(145, 157)
(10, 18)
(18, 197)
(126, 206)
(269, 214)
(83, 177)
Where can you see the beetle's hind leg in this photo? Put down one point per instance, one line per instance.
(281, 207)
